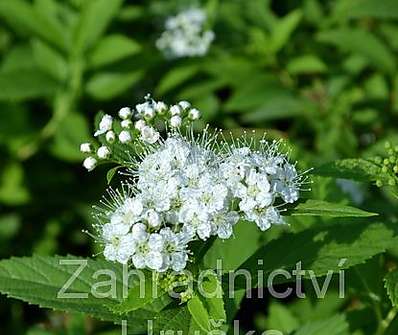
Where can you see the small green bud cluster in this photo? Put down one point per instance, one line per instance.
(389, 166)
(179, 283)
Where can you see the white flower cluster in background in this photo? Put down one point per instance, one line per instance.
(135, 125)
(190, 188)
(185, 35)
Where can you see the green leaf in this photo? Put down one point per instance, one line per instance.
(105, 86)
(20, 57)
(356, 169)
(322, 250)
(20, 14)
(199, 313)
(26, 84)
(72, 131)
(176, 77)
(327, 209)
(12, 188)
(49, 60)
(281, 318)
(282, 30)
(361, 42)
(306, 64)
(111, 173)
(391, 284)
(94, 19)
(336, 325)
(141, 296)
(386, 9)
(111, 49)
(214, 301)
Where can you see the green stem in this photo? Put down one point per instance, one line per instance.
(385, 323)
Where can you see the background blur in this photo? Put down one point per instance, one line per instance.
(321, 74)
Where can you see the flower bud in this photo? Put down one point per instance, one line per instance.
(161, 107)
(85, 148)
(104, 125)
(125, 113)
(90, 163)
(175, 110)
(140, 124)
(110, 136)
(194, 114)
(126, 124)
(125, 137)
(176, 121)
(103, 152)
(184, 104)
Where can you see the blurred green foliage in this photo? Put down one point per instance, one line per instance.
(320, 74)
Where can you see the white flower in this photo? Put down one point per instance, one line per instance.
(149, 134)
(146, 109)
(104, 125)
(175, 121)
(174, 250)
(118, 246)
(110, 136)
(194, 114)
(125, 113)
(85, 148)
(90, 163)
(223, 222)
(125, 136)
(103, 152)
(286, 184)
(264, 217)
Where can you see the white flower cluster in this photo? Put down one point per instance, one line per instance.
(134, 125)
(186, 189)
(185, 35)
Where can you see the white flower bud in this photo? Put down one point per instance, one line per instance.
(140, 124)
(103, 152)
(125, 136)
(150, 135)
(175, 110)
(85, 148)
(176, 121)
(149, 113)
(110, 136)
(161, 107)
(90, 163)
(126, 123)
(194, 114)
(104, 125)
(184, 104)
(125, 113)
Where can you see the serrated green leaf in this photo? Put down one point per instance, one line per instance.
(199, 313)
(391, 285)
(111, 49)
(355, 169)
(105, 86)
(327, 209)
(26, 84)
(336, 325)
(361, 42)
(140, 296)
(321, 250)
